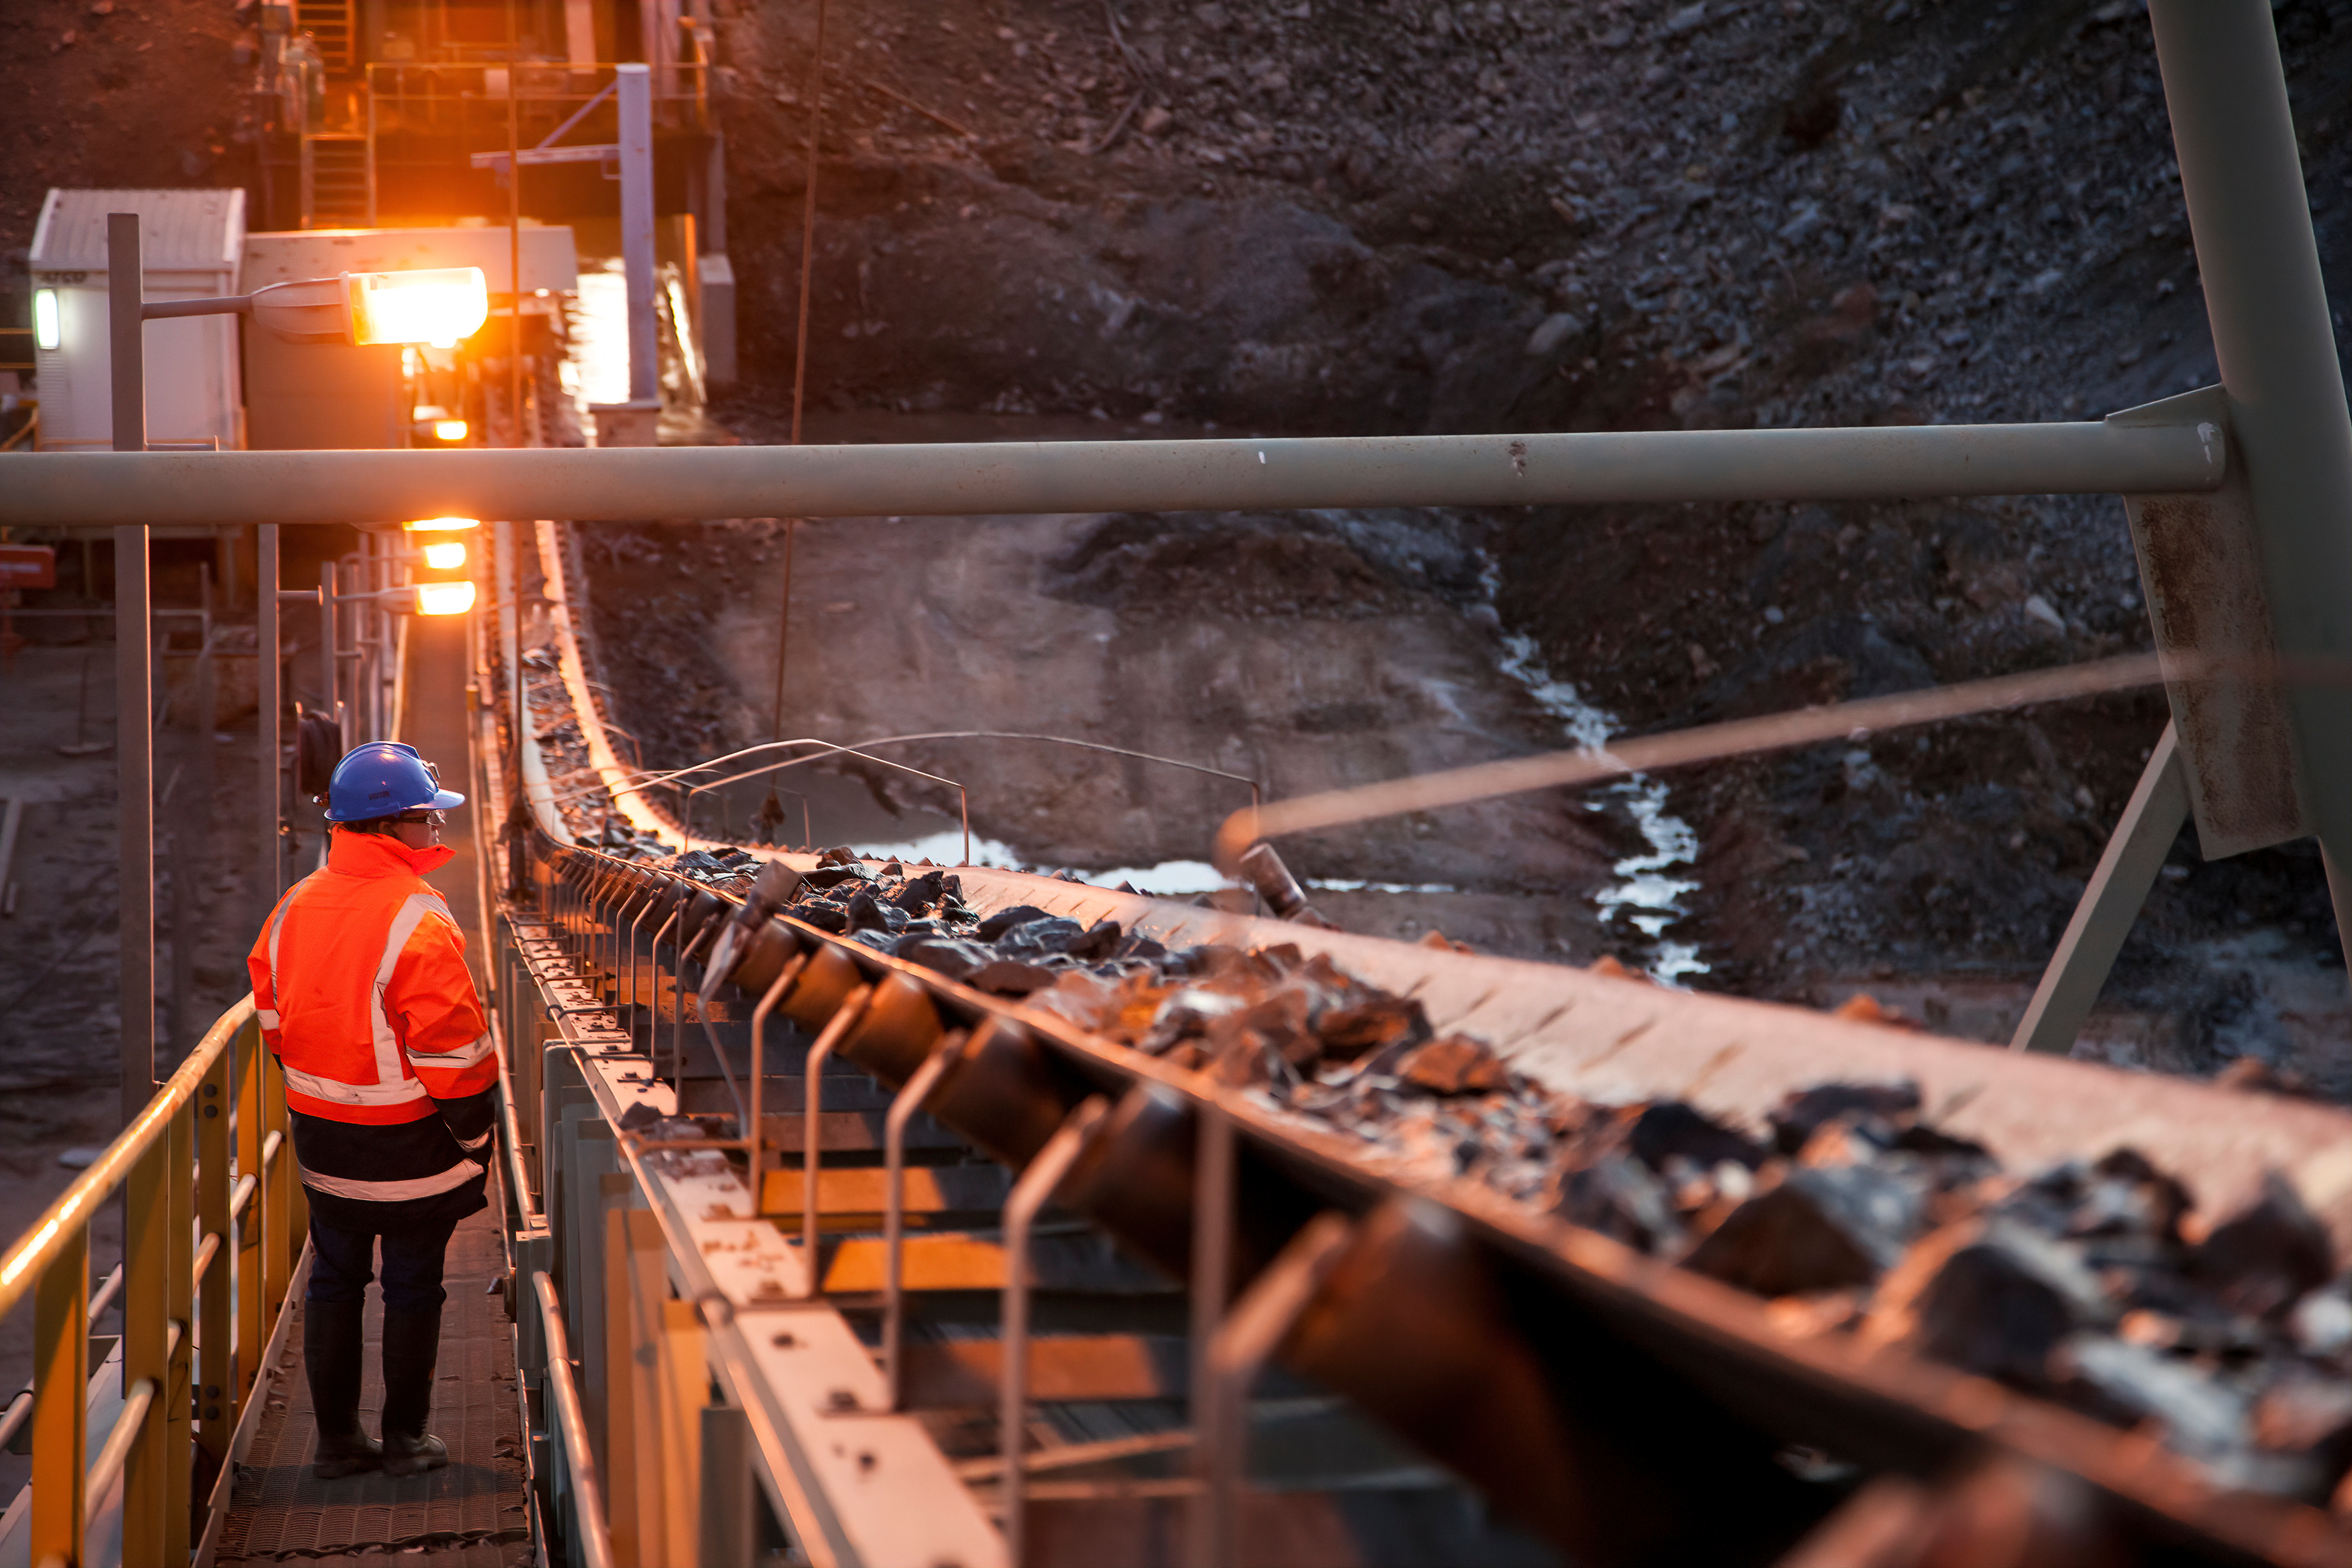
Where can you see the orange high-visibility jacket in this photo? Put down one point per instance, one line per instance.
(360, 982)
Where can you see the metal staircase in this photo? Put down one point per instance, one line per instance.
(337, 184)
(333, 25)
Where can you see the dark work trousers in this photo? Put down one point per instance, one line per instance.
(342, 1264)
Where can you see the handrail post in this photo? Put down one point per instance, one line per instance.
(146, 1356)
(60, 1401)
(216, 1371)
(287, 1218)
(173, 1432)
(252, 1229)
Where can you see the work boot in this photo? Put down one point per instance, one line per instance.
(411, 1346)
(332, 1346)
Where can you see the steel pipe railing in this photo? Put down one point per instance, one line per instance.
(619, 484)
(595, 1540)
(185, 1201)
(1031, 1193)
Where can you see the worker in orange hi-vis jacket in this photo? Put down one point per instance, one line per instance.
(360, 980)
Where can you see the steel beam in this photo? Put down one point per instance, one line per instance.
(2250, 216)
(963, 479)
(2127, 870)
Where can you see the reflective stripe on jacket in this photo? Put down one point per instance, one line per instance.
(360, 980)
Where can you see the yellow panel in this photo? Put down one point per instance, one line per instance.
(952, 1262)
(865, 1189)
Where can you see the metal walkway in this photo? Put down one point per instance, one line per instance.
(476, 1512)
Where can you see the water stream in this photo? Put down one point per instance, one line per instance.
(1645, 896)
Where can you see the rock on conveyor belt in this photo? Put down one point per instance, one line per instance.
(2096, 1282)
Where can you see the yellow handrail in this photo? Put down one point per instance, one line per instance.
(195, 1315)
(34, 1250)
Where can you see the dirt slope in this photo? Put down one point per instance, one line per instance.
(1325, 218)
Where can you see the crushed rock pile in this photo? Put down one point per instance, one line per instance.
(2096, 1283)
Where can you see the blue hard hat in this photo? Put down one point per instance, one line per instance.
(385, 778)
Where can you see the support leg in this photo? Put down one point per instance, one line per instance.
(2127, 870)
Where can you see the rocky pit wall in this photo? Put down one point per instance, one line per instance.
(1351, 219)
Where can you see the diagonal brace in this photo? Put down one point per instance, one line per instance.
(2127, 870)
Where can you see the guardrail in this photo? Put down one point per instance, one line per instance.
(214, 1224)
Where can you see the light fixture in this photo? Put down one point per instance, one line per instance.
(435, 305)
(446, 556)
(47, 331)
(442, 525)
(448, 429)
(445, 598)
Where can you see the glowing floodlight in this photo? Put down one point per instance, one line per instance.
(436, 305)
(446, 556)
(442, 525)
(448, 429)
(49, 331)
(443, 598)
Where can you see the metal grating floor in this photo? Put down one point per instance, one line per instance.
(474, 1512)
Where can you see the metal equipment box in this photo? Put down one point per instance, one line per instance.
(193, 244)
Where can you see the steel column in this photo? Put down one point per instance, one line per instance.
(134, 707)
(2110, 904)
(270, 790)
(2249, 217)
(635, 96)
(330, 635)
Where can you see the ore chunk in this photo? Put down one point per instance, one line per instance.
(943, 955)
(1803, 1111)
(1620, 1198)
(1454, 1065)
(1347, 1033)
(824, 917)
(918, 895)
(2307, 1413)
(1671, 1127)
(1279, 1023)
(1141, 947)
(1817, 1229)
(867, 912)
(2260, 1261)
(1004, 921)
(1990, 1297)
(834, 875)
(2127, 1196)
(1038, 937)
(1010, 977)
(2128, 1384)
(1098, 941)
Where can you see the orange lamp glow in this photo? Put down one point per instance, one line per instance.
(442, 525)
(443, 598)
(446, 556)
(448, 429)
(435, 305)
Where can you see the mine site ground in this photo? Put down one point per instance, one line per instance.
(1055, 218)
